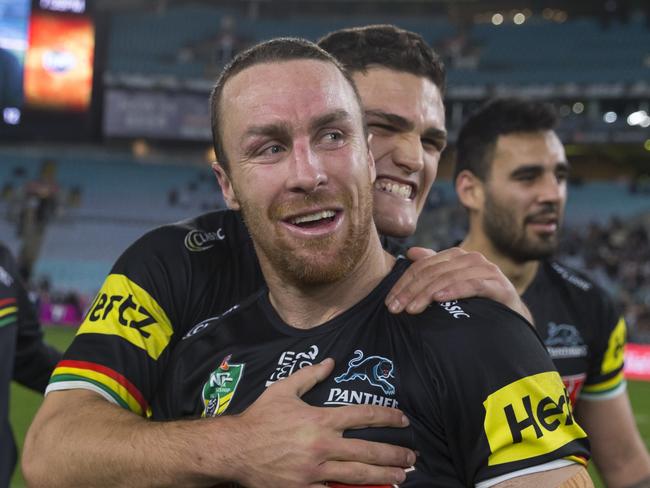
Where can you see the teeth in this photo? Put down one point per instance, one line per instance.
(325, 214)
(391, 187)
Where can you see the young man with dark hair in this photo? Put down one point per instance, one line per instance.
(511, 175)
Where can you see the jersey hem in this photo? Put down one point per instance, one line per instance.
(79, 385)
(558, 463)
(597, 397)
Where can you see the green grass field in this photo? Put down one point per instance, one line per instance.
(24, 403)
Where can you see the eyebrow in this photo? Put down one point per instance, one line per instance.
(538, 168)
(274, 131)
(330, 118)
(282, 129)
(405, 125)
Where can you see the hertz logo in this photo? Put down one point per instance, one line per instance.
(124, 309)
(537, 413)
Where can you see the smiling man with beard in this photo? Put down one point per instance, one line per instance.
(511, 176)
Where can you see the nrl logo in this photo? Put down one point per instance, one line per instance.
(219, 389)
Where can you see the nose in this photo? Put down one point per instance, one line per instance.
(408, 154)
(550, 189)
(306, 171)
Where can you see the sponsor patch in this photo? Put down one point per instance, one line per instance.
(528, 418)
(454, 309)
(218, 391)
(291, 361)
(201, 240)
(124, 309)
(613, 358)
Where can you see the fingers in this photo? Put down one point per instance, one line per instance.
(426, 277)
(373, 453)
(416, 253)
(364, 416)
(305, 378)
(413, 279)
(356, 474)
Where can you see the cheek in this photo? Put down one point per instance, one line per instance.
(381, 147)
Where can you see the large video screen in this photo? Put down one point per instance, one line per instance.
(59, 62)
(14, 25)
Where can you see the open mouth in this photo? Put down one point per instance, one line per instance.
(314, 219)
(402, 190)
(316, 223)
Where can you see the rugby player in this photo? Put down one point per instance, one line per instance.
(179, 275)
(295, 161)
(24, 357)
(511, 176)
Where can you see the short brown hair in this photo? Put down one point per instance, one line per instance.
(275, 50)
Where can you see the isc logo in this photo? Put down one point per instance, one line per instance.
(537, 411)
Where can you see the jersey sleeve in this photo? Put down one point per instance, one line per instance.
(503, 406)
(160, 287)
(119, 348)
(605, 377)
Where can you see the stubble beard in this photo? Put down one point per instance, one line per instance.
(297, 262)
(509, 239)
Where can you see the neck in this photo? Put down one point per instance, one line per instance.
(520, 274)
(306, 306)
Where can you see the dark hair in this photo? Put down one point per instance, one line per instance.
(360, 48)
(275, 50)
(478, 136)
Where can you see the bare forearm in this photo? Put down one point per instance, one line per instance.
(94, 443)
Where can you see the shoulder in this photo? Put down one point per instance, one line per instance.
(210, 237)
(473, 323)
(585, 291)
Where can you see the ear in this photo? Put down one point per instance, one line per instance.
(470, 190)
(226, 186)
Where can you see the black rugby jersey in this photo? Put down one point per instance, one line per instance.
(581, 328)
(24, 357)
(480, 390)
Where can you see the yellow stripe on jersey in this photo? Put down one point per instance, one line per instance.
(529, 417)
(104, 381)
(124, 309)
(8, 311)
(613, 358)
(605, 385)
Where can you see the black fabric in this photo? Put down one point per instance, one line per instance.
(439, 367)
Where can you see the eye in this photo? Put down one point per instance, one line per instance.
(435, 144)
(271, 150)
(331, 138)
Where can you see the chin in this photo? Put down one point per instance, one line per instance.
(391, 228)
